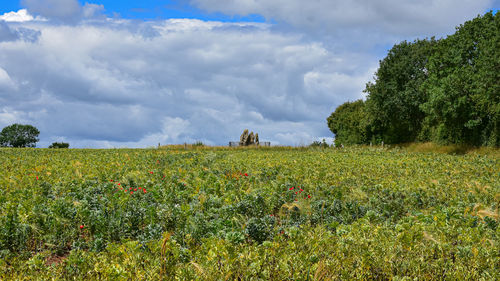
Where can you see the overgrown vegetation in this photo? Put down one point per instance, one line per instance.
(261, 214)
(446, 91)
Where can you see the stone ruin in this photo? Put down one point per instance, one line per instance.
(247, 139)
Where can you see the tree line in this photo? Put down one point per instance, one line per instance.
(446, 91)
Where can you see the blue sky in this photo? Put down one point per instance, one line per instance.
(200, 70)
(150, 10)
(154, 9)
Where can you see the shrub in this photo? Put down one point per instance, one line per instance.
(59, 145)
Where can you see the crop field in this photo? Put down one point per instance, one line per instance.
(248, 214)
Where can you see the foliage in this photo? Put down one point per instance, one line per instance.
(321, 144)
(18, 135)
(463, 87)
(59, 145)
(347, 122)
(394, 99)
(261, 214)
(446, 91)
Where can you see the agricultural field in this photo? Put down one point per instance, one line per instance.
(248, 214)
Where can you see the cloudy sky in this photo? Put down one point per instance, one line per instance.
(124, 73)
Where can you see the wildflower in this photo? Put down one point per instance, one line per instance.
(271, 215)
(111, 180)
(246, 175)
(301, 190)
(309, 196)
(37, 177)
(135, 189)
(119, 184)
(296, 192)
(296, 199)
(131, 192)
(291, 188)
(144, 190)
(151, 172)
(82, 226)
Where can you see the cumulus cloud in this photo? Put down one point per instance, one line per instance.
(68, 11)
(117, 82)
(124, 83)
(6, 33)
(19, 16)
(398, 17)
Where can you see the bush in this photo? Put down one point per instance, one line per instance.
(59, 145)
(321, 144)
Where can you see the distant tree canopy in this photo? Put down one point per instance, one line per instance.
(446, 91)
(59, 145)
(17, 135)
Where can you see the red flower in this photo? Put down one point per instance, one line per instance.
(144, 190)
(301, 190)
(131, 192)
(82, 226)
(37, 177)
(296, 199)
(246, 175)
(271, 215)
(308, 196)
(111, 180)
(291, 188)
(119, 184)
(150, 172)
(296, 192)
(140, 187)
(135, 189)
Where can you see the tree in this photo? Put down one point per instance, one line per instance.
(463, 106)
(59, 145)
(17, 135)
(394, 99)
(347, 122)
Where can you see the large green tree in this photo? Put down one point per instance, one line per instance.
(348, 124)
(18, 135)
(394, 98)
(463, 86)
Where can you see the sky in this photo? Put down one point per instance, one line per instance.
(106, 73)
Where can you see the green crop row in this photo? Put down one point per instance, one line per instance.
(256, 214)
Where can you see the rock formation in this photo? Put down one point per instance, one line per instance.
(248, 139)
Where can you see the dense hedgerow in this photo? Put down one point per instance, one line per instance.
(282, 214)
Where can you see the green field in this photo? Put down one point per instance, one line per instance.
(248, 214)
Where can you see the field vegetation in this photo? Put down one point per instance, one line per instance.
(205, 213)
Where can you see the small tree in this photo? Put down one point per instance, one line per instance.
(18, 135)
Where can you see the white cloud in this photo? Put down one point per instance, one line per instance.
(117, 82)
(19, 16)
(397, 17)
(6, 82)
(68, 11)
(186, 80)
